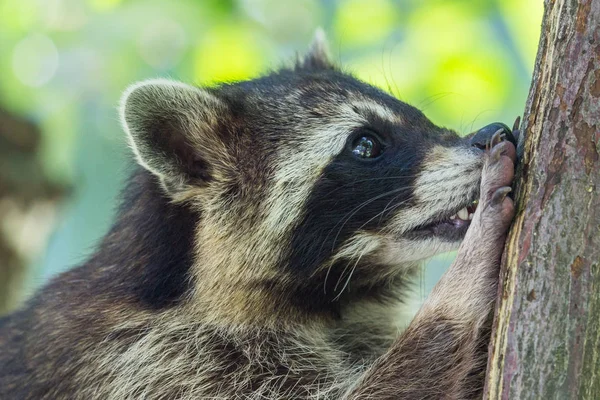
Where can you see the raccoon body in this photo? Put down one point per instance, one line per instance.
(264, 248)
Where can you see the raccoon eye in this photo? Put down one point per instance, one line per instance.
(367, 147)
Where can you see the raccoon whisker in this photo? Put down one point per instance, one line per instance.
(380, 215)
(343, 272)
(326, 277)
(355, 210)
(433, 199)
(444, 179)
(429, 100)
(395, 206)
(350, 214)
(387, 82)
(340, 280)
(397, 90)
(337, 297)
(370, 180)
(349, 276)
(475, 119)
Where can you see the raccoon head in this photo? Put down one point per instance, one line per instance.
(315, 189)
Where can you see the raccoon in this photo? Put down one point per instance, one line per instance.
(265, 246)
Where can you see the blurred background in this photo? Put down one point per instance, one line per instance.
(64, 64)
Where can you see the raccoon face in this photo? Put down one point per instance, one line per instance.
(310, 183)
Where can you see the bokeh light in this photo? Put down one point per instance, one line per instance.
(364, 22)
(162, 43)
(35, 60)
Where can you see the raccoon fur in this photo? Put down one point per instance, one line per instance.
(265, 245)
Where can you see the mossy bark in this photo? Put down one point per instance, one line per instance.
(546, 338)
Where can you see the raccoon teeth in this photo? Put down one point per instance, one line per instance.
(463, 214)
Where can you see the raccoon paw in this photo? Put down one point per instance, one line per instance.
(496, 209)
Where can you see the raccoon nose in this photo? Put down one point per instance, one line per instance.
(483, 136)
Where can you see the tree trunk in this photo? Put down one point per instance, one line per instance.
(546, 337)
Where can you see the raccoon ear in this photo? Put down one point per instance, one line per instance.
(318, 53)
(172, 129)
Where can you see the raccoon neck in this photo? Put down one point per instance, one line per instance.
(237, 298)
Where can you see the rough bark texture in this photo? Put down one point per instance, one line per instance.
(28, 203)
(546, 340)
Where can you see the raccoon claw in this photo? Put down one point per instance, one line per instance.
(517, 134)
(499, 195)
(517, 124)
(503, 149)
(497, 138)
(515, 129)
(520, 138)
(496, 153)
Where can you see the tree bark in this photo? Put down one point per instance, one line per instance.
(546, 337)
